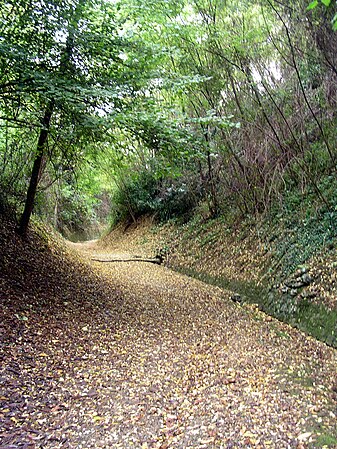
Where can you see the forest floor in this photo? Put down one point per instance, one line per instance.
(131, 354)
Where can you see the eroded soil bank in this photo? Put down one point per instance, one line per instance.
(288, 275)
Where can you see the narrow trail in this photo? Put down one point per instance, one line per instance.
(187, 368)
(154, 359)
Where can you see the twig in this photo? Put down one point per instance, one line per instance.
(157, 260)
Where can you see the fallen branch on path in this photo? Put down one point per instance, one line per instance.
(157, 260)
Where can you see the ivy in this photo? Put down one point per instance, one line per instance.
(327, 4)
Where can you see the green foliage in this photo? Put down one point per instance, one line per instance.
(308, 226)
(315, 3)
(83, 62)
(312, 5)
(135, 197)
(144, 193)
(326, 440)
(16, 153)
(327, 3)
(172, 102)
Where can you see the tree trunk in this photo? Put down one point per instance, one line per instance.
(36, 171)
(65, 66)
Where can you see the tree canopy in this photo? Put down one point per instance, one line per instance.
(162, 106)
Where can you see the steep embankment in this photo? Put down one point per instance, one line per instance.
(48, 297)
(134, 355)
(290, 272)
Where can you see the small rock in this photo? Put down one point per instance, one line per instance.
(292, 283)
(293, 292)
(308, 295)
(306, 279)
(301, 269)
(304, 436)
(236, 298)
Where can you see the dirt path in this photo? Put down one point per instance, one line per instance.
(173, 364)
(199, 371)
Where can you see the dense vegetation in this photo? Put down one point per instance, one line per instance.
(109, 110)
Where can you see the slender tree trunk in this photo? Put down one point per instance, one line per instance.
(213, 201)
(65, 67)
(36, 171)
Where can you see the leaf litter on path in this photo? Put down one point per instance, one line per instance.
(142, 357)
